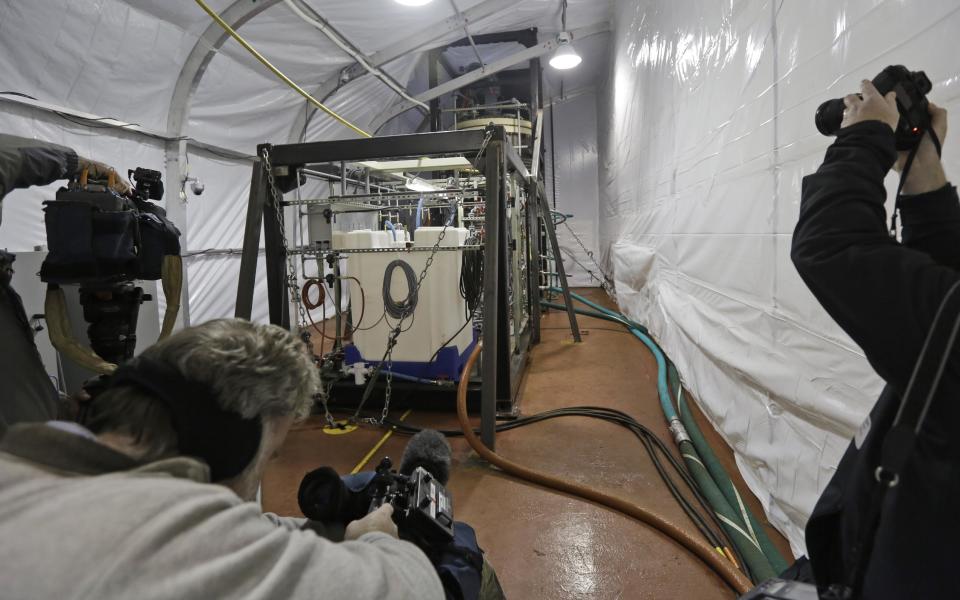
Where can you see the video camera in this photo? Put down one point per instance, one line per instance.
(147, 183)
(911, 87)
(422, 506)
(104, 241)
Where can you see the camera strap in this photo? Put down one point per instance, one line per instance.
(899, 442)
(906, 171)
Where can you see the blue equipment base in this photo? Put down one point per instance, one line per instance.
(447, 365)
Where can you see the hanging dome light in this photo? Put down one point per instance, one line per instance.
(565, 57)
(413, 2)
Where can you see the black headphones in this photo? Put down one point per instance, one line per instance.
(223, 439)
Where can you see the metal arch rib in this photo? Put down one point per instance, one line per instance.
(242, 11)
(237, 14)
(310, 16)
(524, 55)
(411, 43)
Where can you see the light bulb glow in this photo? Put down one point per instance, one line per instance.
(413, 2)
(415, 184)
(565, 57)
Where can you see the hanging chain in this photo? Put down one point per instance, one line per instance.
(398, 329)
(395, 333)
(325, 402)
(607, 282)
(293, 284)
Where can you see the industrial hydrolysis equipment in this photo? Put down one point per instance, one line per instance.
(425, 243)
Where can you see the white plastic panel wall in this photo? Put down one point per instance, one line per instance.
(572, 182)
(706, 131)
(22, 226)
(106, 57)
(217, 220)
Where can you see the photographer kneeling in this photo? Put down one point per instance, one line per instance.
(126, 507)
(885, 525)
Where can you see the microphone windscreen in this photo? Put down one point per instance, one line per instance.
(428, 449)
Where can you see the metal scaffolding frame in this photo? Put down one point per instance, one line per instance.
(500, 163)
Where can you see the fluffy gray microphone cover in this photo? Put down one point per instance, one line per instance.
(428, 449)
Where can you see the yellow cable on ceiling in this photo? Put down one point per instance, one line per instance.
(226, 27)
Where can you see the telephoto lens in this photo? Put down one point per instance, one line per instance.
(829, 116)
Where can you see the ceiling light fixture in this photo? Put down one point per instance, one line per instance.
(565, 57)
(413, 2)
(415, 184)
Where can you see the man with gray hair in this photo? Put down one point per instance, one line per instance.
(125, 506)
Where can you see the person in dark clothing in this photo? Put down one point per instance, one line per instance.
(885, 295)
(27, 394)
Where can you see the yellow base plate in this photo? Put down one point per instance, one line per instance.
(346, 427)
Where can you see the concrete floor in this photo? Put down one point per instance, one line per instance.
(544, 544)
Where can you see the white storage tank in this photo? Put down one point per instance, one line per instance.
(440, 310)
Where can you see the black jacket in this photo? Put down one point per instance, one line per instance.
(26, 392)
(884, 294)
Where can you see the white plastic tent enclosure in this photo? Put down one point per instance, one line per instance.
(706, 130)
(168, 69)
(679, 145)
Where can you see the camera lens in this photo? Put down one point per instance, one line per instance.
(829, 116)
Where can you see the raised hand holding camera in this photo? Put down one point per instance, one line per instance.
(911, 89)
(870, 105)
(926, 174)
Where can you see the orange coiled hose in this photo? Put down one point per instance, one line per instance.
(720, 565)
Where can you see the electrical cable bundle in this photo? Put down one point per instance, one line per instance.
(321, 302)
(656, 449)
(733, 532)
(471, 279)
(402, 308)
(721, 564)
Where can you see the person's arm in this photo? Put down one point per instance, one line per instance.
(25, 162)
(929, 207)
(883, 294)
(931, 224)
(211, 545)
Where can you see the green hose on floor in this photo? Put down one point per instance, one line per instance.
(762, 557)
(719, 475)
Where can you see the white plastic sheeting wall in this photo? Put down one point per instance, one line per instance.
(121, 58)
(571, 180)
(706, 131)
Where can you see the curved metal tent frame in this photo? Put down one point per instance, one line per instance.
(243, 11)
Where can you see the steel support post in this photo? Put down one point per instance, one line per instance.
(251, 243)
(533, 257)
(558, 262)
(276, 259)
(491, 285)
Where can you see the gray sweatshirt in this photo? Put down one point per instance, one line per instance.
(80, 520)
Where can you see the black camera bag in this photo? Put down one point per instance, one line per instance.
(98, 236)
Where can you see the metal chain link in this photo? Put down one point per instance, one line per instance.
(398, 329)
(607, 282)
(395, 333)
(293, 284)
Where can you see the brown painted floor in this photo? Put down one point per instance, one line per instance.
(544, 544)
